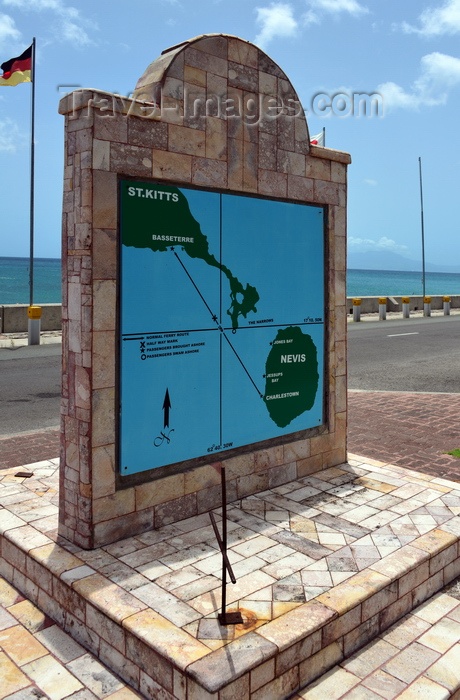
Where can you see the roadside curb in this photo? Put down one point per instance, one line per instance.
(12, 341)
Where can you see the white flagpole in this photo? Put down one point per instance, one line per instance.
(34, 312)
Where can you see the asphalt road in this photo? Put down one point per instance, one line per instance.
(414, 354)
(30, 388)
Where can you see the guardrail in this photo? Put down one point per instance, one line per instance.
(405, 304)
(14, 318)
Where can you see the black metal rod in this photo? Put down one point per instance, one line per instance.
(224, 541)
(225, 618)
(228, 566)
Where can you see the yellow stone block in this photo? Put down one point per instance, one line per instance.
(434, 541)
(161, 491)
(166, 638)
(20, 645)
(8, 594)
(56, 559)
(13, 679)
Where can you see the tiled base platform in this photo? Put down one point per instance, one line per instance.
(323, 566)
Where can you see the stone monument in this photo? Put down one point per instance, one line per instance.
(204, 307)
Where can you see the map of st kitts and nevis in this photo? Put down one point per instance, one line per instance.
(221, 322)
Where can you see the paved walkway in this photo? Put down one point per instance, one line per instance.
(413, 430)
(27, 448)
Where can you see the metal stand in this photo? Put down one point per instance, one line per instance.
(225, 618)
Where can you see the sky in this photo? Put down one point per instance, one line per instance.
(381, 76)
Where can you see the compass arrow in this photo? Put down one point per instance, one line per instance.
(166, 407)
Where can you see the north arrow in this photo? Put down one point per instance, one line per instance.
(166, 407)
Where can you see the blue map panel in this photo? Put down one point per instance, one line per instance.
(221, 322)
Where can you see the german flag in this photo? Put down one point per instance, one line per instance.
(17, 70)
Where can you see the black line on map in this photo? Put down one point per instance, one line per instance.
(243, 366)
(275, 325)
(135, 336)
(220, 326)
(220, 258)
(220, 391)
(154, 334)
(213, 316)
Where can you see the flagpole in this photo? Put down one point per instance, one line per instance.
(422, 224)
(34, 313)
(32, 179)
(324, 137)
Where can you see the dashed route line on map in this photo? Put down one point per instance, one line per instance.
(213, 316)
(219, 327)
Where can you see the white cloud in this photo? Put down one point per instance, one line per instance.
(437, 21)
(7, 29)
(335, 6)
(371, 183)
(317, 8)
(363, 245)
(394, 97)
(70, 26)
(439, 74)
(10, 136)
(278, 20)
(275, 21)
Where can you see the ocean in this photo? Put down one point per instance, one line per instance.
(373, 283)
(14, 282)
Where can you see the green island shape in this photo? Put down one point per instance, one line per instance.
(173, 219)
(291, 375)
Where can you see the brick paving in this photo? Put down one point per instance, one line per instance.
(413, 430)
(28, 448)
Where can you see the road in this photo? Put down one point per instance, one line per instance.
(414, 354)
(30, 388)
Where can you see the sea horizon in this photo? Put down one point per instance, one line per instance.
(374, 283)
(14, 281)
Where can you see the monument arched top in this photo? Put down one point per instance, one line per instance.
(220, 67)
(223, 47)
